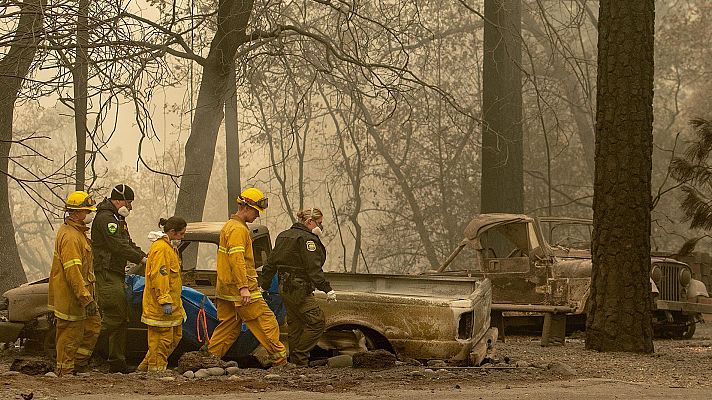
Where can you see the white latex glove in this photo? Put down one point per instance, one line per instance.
(331, 296)
(167, 309)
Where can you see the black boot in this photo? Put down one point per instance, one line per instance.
(118, 366)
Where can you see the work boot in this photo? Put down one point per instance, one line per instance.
(119, 366)
(283, 366)
(80, 368)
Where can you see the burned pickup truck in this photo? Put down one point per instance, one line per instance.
(419, 317)
(542, 266)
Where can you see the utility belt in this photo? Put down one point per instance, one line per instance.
(109, 271)
(293, 278)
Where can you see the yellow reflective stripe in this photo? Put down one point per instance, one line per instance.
(228, 298)
(160, 323)
(66, 317)
(69, 364)
(253, 295)
(157, 368)
(71, 262)
(231, 250)
(236, 249)
(83, 351)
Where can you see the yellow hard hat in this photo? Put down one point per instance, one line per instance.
(80, 200)
(254, 198)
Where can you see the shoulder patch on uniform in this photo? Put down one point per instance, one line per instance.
(163, 270)
(112, 228)
(311, 246)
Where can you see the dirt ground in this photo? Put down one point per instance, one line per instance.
(678, 369)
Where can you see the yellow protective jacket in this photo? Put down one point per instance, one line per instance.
(236, 262)
(163, 285)
(71, 280)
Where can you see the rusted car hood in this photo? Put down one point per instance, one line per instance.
(484, 222)
(572, 268)
(27, 301)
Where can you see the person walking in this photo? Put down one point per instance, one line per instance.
(113, 247)
(238, 297)
(162, 306)
(71, 294)
(298, 256)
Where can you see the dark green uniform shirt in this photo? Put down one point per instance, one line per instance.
(300, 253)
(111, 242)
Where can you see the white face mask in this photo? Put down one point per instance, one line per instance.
(88, 219)
(317, 231)
(175, 243)
(124, 212)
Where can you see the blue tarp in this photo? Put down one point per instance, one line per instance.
(193, 301)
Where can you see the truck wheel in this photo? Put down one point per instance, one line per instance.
(689, 331)
(353, 339)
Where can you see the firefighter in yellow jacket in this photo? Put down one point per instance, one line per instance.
(71, 287)
(162, 305)
(238, 295)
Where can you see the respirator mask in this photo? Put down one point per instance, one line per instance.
(124, 211)
(89, 218)
(319, 228)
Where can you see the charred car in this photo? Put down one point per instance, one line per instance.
(542, 266)
(419, 317)
(26, 316)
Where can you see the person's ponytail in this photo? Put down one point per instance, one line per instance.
(174, 223)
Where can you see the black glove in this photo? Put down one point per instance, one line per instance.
(92, 309)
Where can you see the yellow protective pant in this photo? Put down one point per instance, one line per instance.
(258, 318)
(161, 343)
(75, 343)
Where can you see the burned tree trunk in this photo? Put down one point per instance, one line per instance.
(233, 16)
(232, 145)
(80, 76)
(619, 318)
(502, 147)
(13, 69)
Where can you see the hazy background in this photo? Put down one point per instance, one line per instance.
(285, 124)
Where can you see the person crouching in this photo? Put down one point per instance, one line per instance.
(162, 306)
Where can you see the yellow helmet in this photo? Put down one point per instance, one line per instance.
(254, 198)
(79, 200)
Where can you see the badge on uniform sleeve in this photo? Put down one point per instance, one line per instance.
(163, 270)
(112, 227)
(311, 246)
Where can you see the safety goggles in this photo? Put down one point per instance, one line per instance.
(88, 202)
(261, 203)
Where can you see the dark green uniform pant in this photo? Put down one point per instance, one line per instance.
(114, 317)
(305, 323)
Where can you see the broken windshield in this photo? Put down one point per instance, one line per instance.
(568, 233)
